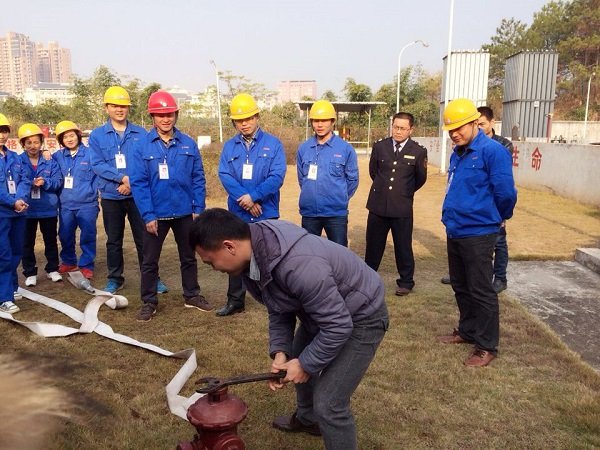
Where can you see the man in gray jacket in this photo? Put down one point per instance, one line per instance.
(337, 298)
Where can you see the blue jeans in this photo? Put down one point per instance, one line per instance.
(500, 257)
(12, 234)
(325, 398)
(336, 227)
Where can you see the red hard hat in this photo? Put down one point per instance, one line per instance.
(161, 102)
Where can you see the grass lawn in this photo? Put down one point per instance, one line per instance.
(417, 394)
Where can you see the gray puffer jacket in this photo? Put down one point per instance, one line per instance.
(323, 284)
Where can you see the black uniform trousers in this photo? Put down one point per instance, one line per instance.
(181, 227)
(113, 216)
(378, 228)
(471, 273)
(48, 228)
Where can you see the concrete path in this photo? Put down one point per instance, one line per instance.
(565, 295)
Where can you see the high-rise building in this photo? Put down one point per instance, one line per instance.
(53, 63)
(17, 63)
(296, 90)
(23, 63)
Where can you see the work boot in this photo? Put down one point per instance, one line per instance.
(230, 309)
(291, 424)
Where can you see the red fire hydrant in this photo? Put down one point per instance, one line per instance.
(217, 415)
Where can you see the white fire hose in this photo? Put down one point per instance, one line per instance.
(91, 324)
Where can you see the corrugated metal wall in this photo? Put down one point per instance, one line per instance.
(529, 92)
(469, 72)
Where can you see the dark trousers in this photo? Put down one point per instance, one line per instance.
(378, 228)
(325, 398)
(113, 215)
(236, 294)
(470, 263)
(48, 227)
(501, 255)
(12, 231)
(187, 258)
(336, 228)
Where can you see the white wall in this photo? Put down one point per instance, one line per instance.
(568, 170)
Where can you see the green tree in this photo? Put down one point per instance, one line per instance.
(508, 40)
(356, 92)
(88, 107)
(50, 112)
(17, 111)
(329, 95)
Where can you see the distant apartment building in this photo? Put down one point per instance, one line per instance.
(53, 63)
(296, 90)
(43, 92)
(23, 63)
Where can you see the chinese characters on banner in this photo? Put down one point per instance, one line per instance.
(49, 143)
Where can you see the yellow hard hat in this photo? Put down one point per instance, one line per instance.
(458, 113)
(322, 109)
(64, 126)
(4, 121)
(116, 95)
(29, 129)
(242, 106)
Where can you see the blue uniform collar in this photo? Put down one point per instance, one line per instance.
(329, 142)
(257, 136)
(153, 135)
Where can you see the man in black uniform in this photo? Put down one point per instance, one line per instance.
(398, 168)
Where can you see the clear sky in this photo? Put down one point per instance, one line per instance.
(172, 41)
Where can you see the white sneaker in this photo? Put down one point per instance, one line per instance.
(31, 281)
(17, 296)
(54, 276)
(9, 307)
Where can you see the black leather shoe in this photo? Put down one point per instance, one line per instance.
(230, 309)
(291, 424)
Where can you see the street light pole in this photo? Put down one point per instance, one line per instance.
(587, 106)
(425, 44)
(218, 102)
(443, 135)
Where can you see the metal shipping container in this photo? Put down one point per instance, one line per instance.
(529, 93)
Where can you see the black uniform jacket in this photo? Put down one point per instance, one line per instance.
(396, 178)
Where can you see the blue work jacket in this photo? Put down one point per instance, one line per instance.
(481, 191)
(267, 157)
(11, 168)
(47, 203)
(85, 182)
(183, 193)
(337, 177)
(105, 144)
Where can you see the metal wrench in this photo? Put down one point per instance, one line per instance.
(214, 384)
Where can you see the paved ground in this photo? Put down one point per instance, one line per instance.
(565, 295)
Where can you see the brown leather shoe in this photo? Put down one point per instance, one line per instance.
(291, 424)
(479, 358)
(401, 291)
(453, 338)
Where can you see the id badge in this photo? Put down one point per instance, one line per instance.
(449, 182)
(312, 172)
(120, 159)
(12, 187)
(35, 193)
(247, 172)
(163, 171)
(68, 182)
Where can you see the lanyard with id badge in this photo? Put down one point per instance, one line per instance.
(68, 182)
(313, 166)
(12, 186)
(163, 168)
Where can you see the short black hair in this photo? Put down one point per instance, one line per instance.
(4, 129)
(61, 139)
(216, 225)
(405, 115)
(487, 112)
